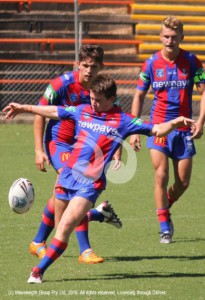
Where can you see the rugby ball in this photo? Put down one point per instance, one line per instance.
(21, 195)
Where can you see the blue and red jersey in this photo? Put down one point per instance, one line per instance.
(98, 137)
(64, 90)
(172, 84)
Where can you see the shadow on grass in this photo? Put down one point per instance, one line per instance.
(137, 258)
(122, 276)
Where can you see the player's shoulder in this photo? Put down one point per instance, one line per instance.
(194, 61)
(152, 61)
(154, 57)
(188, 55)
(61, 81)
(80, 107)
(68, 78)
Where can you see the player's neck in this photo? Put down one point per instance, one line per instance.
(170, 56)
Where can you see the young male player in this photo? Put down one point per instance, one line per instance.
(71, 88)
(101, 128)
(172, 73)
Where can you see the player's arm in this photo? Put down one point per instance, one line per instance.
(41, 157)
(164, 129)
(136, 111)
(14, 109)
(200, 122)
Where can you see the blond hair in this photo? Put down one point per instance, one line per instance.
(173, 23)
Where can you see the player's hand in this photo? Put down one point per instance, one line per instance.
(117, 159)
(117, 164)
(12, 110)
(197, 130)
(41, 158)
(135, 142)
(183, 121)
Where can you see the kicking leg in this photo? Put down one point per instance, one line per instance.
(102, 213)
(72, 215)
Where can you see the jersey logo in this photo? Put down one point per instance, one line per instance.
(70, 108)
(172, 72)
(67, 77)
(160, 73)
(50, 94)
(73, 98)
(100, 128)
(86, 116)
(160, 141)
(184, 71)
(65, 156)
(137, 121)
(144, 77)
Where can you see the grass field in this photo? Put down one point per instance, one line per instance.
(137, 266)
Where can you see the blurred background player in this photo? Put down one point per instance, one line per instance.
(84, 177)
(172, 73)
(71, 88)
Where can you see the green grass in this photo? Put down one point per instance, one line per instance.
(136, 267)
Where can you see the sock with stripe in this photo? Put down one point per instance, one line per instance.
(81, 232)
(163, 218)
(55, 250)
(95, 215)
(47, 223)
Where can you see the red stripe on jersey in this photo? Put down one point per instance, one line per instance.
(159, 114)
(43, 101)
(78, 148)
(52, 147)
(185, 107)
(66, 131)
(113, 119)
(159, 68)
(56, 83)
(97, 160)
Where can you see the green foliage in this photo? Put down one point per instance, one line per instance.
(137, 265)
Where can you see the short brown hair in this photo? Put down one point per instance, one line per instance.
(173, 23)
(92, 51)
(104, 84)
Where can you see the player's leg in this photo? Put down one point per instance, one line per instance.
(102, 213)
(74, 212)
(182, 176)
(58, 155)
(161, 168)
(183, 150)
(105, 213)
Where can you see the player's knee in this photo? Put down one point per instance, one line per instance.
(161, 177)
